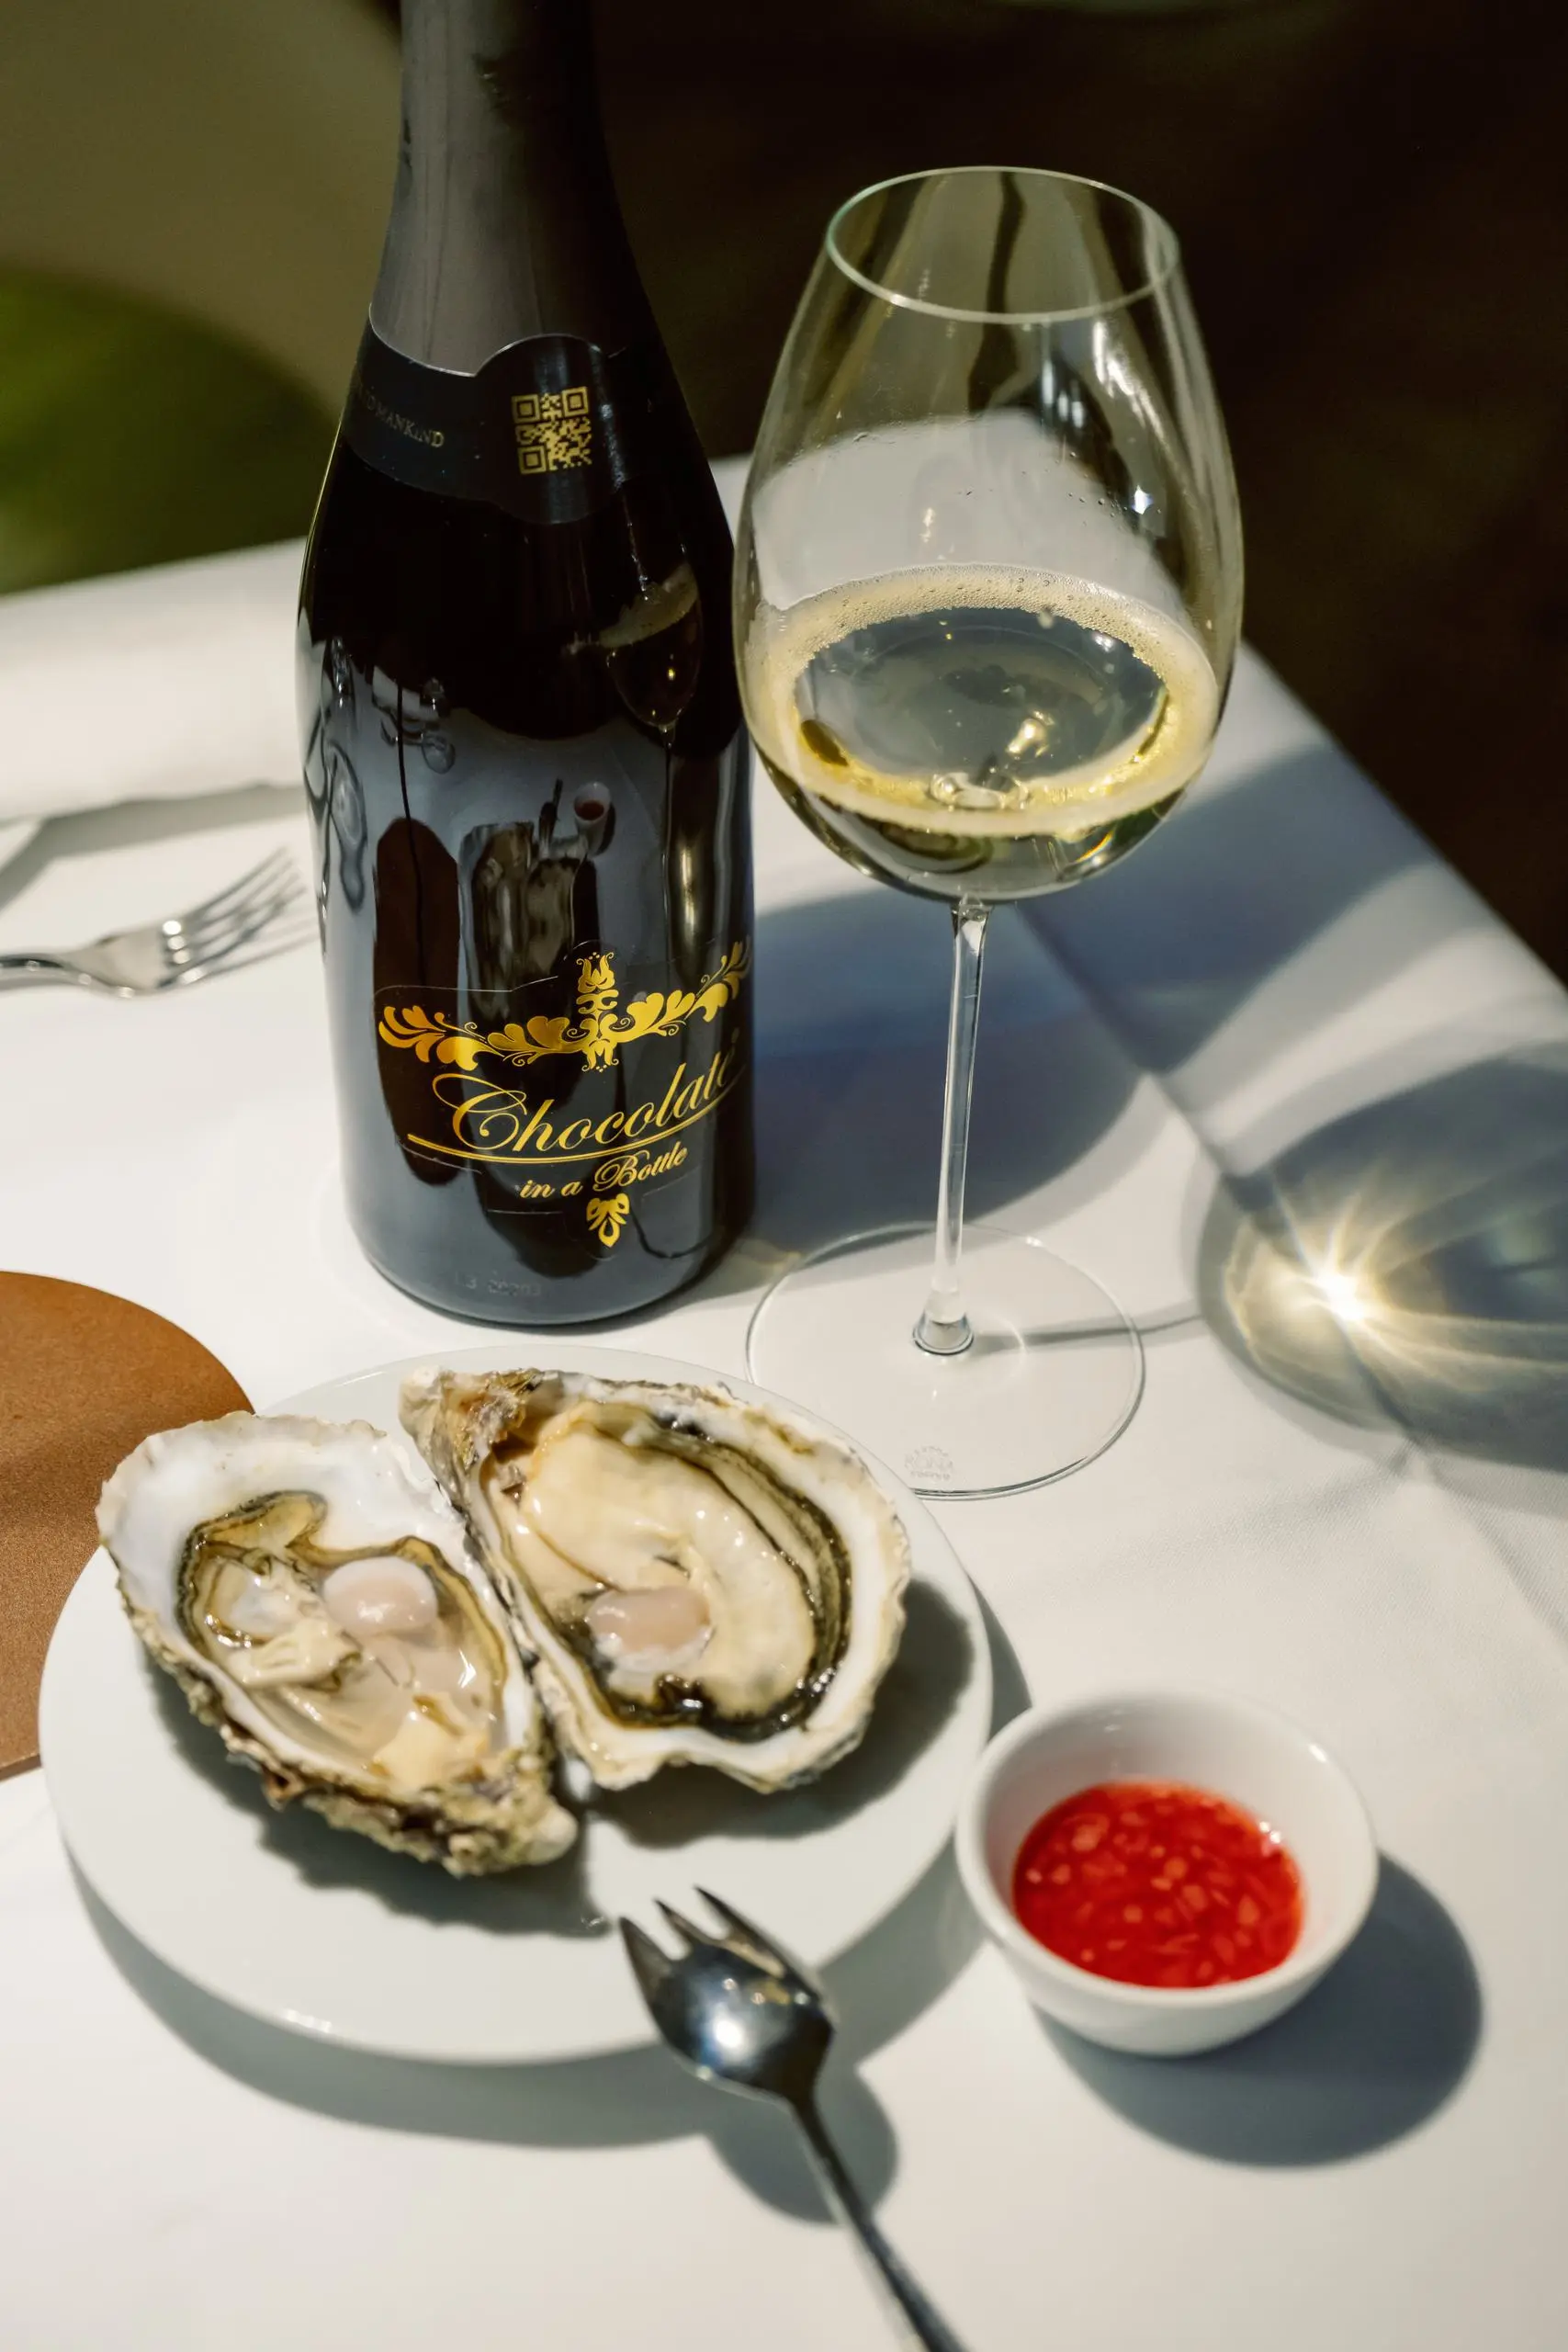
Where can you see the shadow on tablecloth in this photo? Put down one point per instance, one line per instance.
(629, 2098)
(127, 824)
(1406, 1261)
(852, 1043)
(1388, 1239)
(1367, 2057)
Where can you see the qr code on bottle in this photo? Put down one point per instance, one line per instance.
(555, 430)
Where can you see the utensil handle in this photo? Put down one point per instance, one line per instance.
(23, 969)
(920, 2320)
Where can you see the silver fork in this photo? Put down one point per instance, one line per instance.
(264, 910)
(742, 2013)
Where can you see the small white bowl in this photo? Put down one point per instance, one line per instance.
(1231, 1746)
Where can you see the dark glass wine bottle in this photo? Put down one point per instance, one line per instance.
(522, 736)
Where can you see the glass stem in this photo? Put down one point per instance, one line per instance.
(943, 1328)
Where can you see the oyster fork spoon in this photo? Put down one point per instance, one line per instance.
(182, 948)
(743, 2014)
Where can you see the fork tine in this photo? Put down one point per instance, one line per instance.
(259, 877)
(268, 867)
(214, 938)
(304, 936)
(278, 890)
(742, 1941)
(752, 1944)
(244, 916)
(219, 952)
(652, 1964)
(695, 1938)
(296, 928)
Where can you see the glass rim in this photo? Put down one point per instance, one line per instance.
(1167, 241)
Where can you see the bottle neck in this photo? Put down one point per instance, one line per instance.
(504, 218)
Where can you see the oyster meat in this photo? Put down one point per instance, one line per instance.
(324, 1613)
(699, 1580)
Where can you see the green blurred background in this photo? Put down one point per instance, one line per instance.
(1373, 196)
(130, 434)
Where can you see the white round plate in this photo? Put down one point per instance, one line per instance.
(322, 1931)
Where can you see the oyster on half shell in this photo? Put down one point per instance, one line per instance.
(323, 1611)
(700, 1580)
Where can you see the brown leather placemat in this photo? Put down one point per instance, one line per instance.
(84, 1377)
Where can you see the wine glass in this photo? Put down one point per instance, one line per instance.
(987, 592)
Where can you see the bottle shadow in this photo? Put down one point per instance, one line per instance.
(851, 1010)
(1371, 2056)
(1084, 990)
(852, 1046)
(625, 2098)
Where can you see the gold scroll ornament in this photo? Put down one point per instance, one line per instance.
(596, 1030)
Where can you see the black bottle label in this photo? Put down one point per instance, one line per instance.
(582, 1095)
(546, 430)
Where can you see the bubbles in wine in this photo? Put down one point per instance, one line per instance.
(982, 700)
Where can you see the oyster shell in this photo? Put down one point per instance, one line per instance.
(323, 1610)
(700, 1581)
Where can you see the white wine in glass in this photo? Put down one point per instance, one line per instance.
(987, 599)
(978, 733)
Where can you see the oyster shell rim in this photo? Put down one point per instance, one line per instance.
(510, 1818)
(798, 1433)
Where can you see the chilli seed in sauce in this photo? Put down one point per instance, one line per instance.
(1155, 1883)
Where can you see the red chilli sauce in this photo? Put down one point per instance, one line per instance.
(1155, 1883)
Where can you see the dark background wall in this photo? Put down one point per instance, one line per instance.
(1372, 197)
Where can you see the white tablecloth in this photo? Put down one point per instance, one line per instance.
(1283, 1005)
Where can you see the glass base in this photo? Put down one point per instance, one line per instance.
(1053, 1376)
